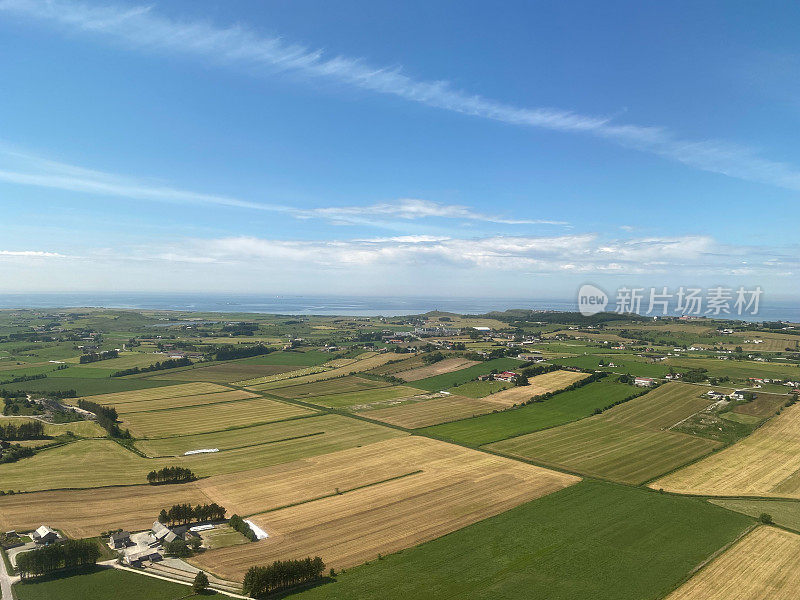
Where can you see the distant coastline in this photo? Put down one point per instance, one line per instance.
(314, 305)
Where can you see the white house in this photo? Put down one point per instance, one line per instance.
(643, 381)
(44, 535)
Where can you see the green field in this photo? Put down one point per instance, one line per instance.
(301, 359)
(560, 409)
(738, 369)
(783, 512)
(629, 443)
(105, 583)
(479, 389)
(590, 541)
(86, 386)
(448, 380)
(626, 363)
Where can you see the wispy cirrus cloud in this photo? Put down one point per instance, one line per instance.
(143, 28)
(28, 169)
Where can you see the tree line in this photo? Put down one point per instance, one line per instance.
(106, 418)
(244, 352)
(237, 523)
(98, 356)
(69, 554)
(14, 452)
(259, 582)
(170, 475)
(31, 430)
(57, 394)
(22, 378)
(182, 514)
(170, 363)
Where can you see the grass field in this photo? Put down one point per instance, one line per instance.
(303, 437)
(448, 380)
(541, 384)
(104, 583)
(79, 428)
(212, 417)
(96, 463)
(624, 363)
(438, 368)
(764, 564)
(222, 536)
(589, 541)
(764, 405)
(224, 372)
(446, 487)
(331, 386)
(86, 513)
(627, 443)
(365, 397)
(479, 389)
(767, 463)
(398, 364)
(561, 408)
(784, 512)
(126, 360)
(310, 358)
(182, 401)
(430, 412)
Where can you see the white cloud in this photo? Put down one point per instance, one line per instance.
(141, 27)
(579, 253)
(30, 254)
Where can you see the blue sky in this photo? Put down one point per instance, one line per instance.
(415, 148)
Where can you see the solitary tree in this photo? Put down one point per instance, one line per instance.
(765, 518)
(200, 582)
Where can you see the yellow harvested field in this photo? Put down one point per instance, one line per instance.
(448, 365)
(181, 401)
(168, 391)
(541, 384)
(438, 488)
(763, 565)
(85, 513)
(434, 411)
(767, 463)
(356, 367)
(213, 417)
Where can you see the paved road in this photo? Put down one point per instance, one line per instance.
(5, 581)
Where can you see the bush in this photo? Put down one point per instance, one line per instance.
(200, 582)
(765, 518)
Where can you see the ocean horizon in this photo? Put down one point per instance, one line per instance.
(319, 305)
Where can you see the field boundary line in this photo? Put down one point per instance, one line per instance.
(288, 439)
(340, 493)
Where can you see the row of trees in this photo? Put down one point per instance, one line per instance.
(237, 523)
(30, 430)
(573, 386)
(13, 452)
(98, 356)
(181, 514)
(106, 418)
(259, 582)
(57, 394)
(170, 363)
(22, 378)
(170, 475)
(68, 554)
(243, 352)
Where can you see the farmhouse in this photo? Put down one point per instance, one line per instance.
(44, 535)
(643, 381)
(120, 539)
(162, 533)
(507, 376)
(137, 558)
